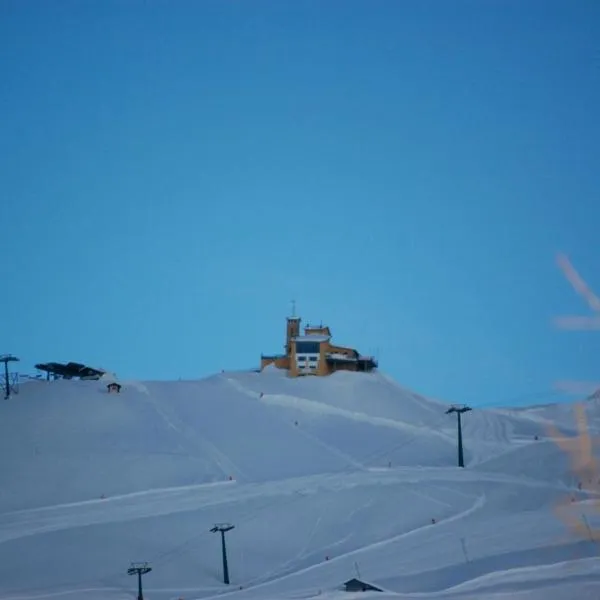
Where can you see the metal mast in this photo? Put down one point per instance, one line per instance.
(8, 387)
(139, 569)
(459, 410)
(223, 528)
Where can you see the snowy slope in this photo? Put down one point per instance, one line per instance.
(323, 477)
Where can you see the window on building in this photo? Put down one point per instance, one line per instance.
(307, 347)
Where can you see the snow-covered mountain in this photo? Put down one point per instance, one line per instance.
(325, 479)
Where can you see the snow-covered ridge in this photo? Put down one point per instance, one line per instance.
(323, 477)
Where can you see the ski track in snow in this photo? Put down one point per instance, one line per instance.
(326, 409)
(153, 503)
(199, 445)
(314, 406)
(477, 505)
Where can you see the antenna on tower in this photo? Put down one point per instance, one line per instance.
(293, 308)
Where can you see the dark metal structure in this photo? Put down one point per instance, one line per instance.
(356, 585)
(223, 528)
(459, 410)
(69, 370)
(362, 364)
(8, 385)
(139, 569)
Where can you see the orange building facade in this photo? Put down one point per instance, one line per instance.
(312, 353)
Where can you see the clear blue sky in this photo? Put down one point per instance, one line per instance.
(172, 174)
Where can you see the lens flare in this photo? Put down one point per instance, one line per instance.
(583, 465)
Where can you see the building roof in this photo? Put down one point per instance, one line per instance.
(361, 584)
(317, 331)
(71, 369)
(311, 338)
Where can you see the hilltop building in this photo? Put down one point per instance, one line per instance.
(313, 353)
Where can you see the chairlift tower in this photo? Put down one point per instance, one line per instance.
(223, 528)
(459, 410)
(8, 386)
(139, 569)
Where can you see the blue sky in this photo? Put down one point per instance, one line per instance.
(172, 174)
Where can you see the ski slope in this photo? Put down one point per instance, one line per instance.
(324, 479)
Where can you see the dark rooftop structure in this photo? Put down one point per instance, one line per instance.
(356, 585)
(69, 370)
